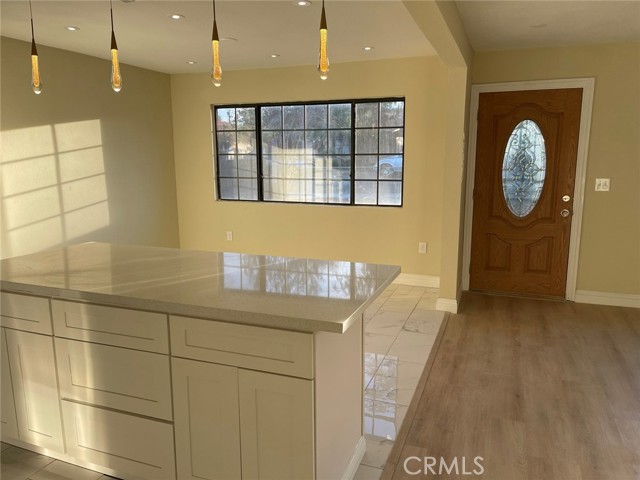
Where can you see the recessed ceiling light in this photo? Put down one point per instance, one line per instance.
(127, 1)
(71, 28)
(228, 39)
(176, 16)
(191, 62)
(275, 55)
(302, 3)
(368, 48)
(539, 25)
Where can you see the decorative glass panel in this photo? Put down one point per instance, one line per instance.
(524, 168)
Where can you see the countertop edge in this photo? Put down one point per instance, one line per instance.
(305, 325)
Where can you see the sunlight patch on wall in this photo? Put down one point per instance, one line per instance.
(53, 186)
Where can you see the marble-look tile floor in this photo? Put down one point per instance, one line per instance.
(400, 329)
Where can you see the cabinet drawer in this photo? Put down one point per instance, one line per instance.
(114, 377)
(131, 445)
(266, 349)
(113, 326)
(24, 312)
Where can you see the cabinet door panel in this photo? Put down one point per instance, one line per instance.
(114, 377)
(276, 426)
(9, 424)
(33, 373)
(207, 421)
(132, 445)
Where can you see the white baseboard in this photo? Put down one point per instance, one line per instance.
(447, 305)
(417, 280)
(606, 298)
(357, 457)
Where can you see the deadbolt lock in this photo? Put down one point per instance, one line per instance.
(566, 198)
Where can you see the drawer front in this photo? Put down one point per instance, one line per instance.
(129, 445)
(266, 349)
(114, 377)
(113, 326)
(24, 312)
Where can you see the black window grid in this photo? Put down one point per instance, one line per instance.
(353, 128)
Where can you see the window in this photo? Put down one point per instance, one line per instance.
(343, 152)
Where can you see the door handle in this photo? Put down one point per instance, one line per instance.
(565, 213)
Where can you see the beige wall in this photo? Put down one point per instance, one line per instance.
(610, 241)
(80, 162)
(442, 26)
(381, 235)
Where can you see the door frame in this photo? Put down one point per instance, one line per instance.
(587, 85)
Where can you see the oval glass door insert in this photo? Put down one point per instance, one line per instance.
(523, 168)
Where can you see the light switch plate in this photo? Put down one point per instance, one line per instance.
(229, 235)
(602, 184)
(422, 247)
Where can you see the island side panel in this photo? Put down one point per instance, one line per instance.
(339, 371)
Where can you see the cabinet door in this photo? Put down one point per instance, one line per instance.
(33, 372)
(276, 426)
(9, 425)
(207, 422)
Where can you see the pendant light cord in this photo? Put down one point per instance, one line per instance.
(31, 15)
(111, 11)
(214, 33)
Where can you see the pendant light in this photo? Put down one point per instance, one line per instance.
(323, 63)
(216, 70)
(116, 78)
(35, 70)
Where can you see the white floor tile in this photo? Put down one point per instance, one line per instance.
(371, 363)
(424, 321)
(19, 464)
(376, 343)
(65, 471)
(395, 381)
(366, 472)
(383, 419)
(378, 450)
(412, 347)
(4, 446)
(387, 323)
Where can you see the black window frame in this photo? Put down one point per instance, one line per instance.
(352, 177)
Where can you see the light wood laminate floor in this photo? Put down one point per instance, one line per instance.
(541, 390)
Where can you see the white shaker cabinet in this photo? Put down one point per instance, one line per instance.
(207, 420)
(8, 421)
(276, 426)
(35, 389)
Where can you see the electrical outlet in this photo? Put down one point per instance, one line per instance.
(602, 184)
(422, 247)
(229, 235)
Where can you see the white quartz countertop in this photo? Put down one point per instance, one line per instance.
(270, 291)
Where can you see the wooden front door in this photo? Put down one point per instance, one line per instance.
(526, 154)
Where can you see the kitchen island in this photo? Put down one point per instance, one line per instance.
(158, 363)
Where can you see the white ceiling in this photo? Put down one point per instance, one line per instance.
(148, 38)
(500, 25)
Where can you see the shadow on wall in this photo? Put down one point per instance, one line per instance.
(53, 186)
